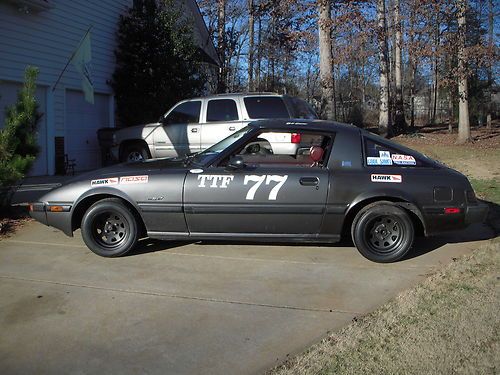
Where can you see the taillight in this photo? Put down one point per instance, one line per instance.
(451, 210)
(296, 137)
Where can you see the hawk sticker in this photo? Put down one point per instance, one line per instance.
(104, 182)
(387, 178)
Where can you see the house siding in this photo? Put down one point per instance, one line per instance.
(47, 39)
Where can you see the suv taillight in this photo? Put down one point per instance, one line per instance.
(296, 137)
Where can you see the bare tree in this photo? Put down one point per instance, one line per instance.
(400, 122)
(463, 107)
(384, 124)
(325, 57)
(250, 44)
(490, 67)
(221, 47)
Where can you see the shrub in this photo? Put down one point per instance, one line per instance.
(18, 145)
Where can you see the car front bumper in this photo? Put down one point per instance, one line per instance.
(60, 219)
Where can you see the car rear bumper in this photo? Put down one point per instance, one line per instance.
(476, 214)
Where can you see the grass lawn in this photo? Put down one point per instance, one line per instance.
(450, 323)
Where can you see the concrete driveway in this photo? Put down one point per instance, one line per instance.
(188, 308)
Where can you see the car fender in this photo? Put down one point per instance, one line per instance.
(398, 197)
(103, 191)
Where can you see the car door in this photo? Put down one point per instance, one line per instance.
(221, 120)
(180, 131)
(281, 196)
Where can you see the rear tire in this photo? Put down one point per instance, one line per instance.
(383, 232)
(109, 228)
(133, 153)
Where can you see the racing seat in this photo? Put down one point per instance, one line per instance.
(316, 154)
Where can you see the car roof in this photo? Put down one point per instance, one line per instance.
(304, 124)
(233, 95)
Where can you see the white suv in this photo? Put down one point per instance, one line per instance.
(195, 124)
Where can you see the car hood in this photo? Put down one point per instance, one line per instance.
(135, 168)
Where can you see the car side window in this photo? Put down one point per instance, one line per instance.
(379, 154)
(222, 110)
(185, 113)
(265, 107)
(278, 150)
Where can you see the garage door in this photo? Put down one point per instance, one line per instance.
(82, 121)
(8, 96)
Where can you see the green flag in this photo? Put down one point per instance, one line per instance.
(82, 62)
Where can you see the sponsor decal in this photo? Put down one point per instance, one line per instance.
(403, 159)
(197, 170)
(104, 181)
(378, 161)
(346, 163)
(384, 154)
(387, 178)
(126, 180)
(215, 181)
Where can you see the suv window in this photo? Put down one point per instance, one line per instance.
(222, 110)
(184, 113)
(379, 154)
(265, 107)
(302, 109)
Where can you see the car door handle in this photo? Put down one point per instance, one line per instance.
(232, 128)
(194, 130)
(309, 181)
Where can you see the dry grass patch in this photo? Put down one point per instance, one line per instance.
(449, 324)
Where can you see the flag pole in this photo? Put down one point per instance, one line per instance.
(71, 58)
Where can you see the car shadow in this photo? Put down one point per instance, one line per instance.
(422, 245)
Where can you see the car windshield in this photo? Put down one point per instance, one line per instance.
(210, 153)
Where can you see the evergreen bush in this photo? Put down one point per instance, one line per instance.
(18, 144)
(156, 61)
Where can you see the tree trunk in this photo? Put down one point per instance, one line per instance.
(413, 63)
(325, 58)
(250, 44)
(463, 108)
(435, 71)
(400, 122)
(259, 54)
(490, 68)
(384, 124)
(221, 45)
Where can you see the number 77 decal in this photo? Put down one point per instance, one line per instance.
(259, 180)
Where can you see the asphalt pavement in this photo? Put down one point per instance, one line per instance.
(189, 308)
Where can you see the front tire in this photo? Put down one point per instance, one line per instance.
(383, 232)
(109, 228)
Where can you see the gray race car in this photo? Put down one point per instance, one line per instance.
(341, 180)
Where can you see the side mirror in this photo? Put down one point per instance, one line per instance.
(236, 162)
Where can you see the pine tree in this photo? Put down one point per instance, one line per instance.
(18, 144)
(155, 62)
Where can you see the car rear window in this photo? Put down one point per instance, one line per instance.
(222, 110)
(265, 107)
(378, 154)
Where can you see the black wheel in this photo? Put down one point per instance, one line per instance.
(133, 153)
(109, 228)
(383, 232)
